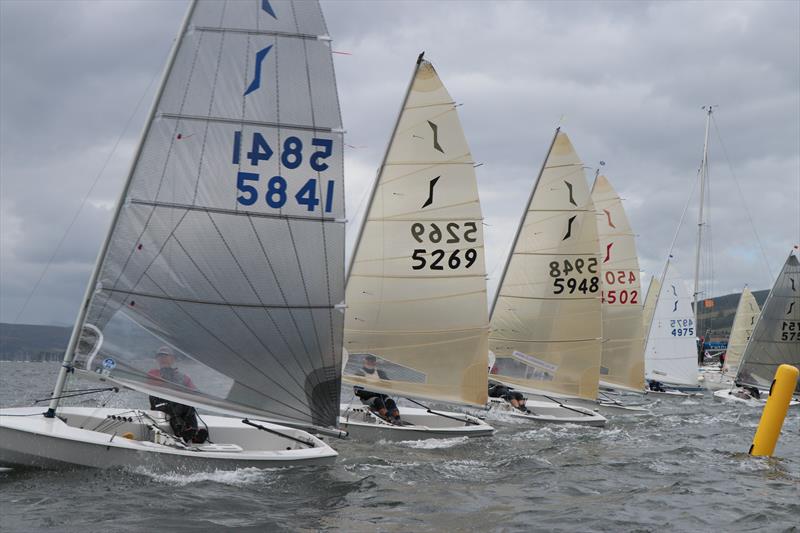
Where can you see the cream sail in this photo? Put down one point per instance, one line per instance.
(622, 362)
(650, 305)
(671, 352)
(744, 322)
(416, 291)
(776, 337)
(546, 318)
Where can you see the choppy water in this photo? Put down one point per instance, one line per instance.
(682, 468)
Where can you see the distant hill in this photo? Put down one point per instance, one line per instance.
(25, 342)
(715, 323)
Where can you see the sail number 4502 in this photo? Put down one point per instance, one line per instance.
(291, 157)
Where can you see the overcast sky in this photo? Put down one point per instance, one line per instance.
(626, 80)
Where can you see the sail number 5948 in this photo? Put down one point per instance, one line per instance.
(571, 276)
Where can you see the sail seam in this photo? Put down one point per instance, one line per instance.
(272, 33)
(220, 210)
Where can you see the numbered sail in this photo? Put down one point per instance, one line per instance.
(743, 324)
(671, 352)
(228, 251)
(776, 337)
(546, 321)
(650, 305)
(416, 292)
(622, 361)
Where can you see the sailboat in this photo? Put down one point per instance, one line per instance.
(225, 260)
(546, 316)
(622, 360)
(670, 352)
(775, 339)
(416, 289)
(747, 312)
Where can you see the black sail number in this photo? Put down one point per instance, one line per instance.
(574, 275)
(452, 232)
(435, 259)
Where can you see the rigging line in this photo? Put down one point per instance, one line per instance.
(146, 224)
(741, 197)
(86, 197)
(680, 221)
(239, 317)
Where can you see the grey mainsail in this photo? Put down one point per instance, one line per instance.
(776, 337)
(228, 246)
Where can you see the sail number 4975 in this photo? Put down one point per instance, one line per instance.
(292, 156)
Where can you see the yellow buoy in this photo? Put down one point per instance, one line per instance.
(780, 394)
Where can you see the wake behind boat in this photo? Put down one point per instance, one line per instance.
(416, 323)
(194, 299)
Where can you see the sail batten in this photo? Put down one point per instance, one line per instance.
(228, 249)
(416, 289)
(549, 338)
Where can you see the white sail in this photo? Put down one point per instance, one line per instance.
(622, 362)
(416, 292)
(228, 248)
(671, 352)
(546, 321)
(650, 305)
(743, 324)
(776, 337)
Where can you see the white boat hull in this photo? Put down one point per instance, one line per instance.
(418, 424)
(549, 412)
(728, 395)
(29, 439)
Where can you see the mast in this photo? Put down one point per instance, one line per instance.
(701, 221)
(380, 170)
(521, 222)
(69, 353)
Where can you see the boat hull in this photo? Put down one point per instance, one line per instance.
(729, 396)
(549, 412)
(29, 439)
(419, 424)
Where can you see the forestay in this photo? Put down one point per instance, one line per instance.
(743, 324)
(671, 353)
(546, 320)
(776, 337)
(228, 248)
(622, 361)
(416, 291)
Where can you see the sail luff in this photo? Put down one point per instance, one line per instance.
(522, 222)
(378, 173)
(69, 353)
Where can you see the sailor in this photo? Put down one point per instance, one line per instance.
(516, 399)
(182, 418)
(656, 386)
(378, 403)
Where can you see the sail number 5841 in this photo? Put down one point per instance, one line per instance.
(277, 189)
